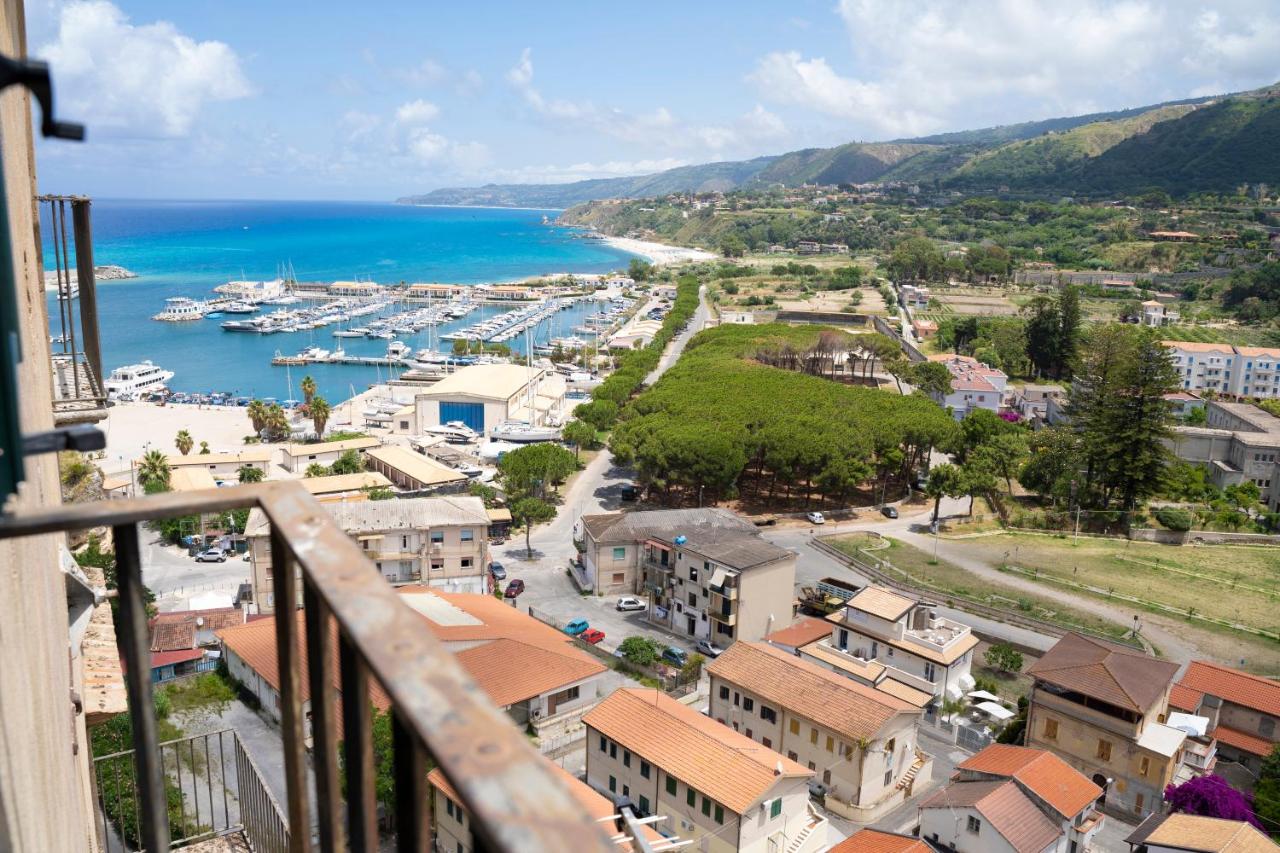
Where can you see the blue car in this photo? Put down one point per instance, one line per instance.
(576, 627)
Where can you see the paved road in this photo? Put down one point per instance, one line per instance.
(175, 578)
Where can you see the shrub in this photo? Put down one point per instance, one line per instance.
(641, 651)
(1174, 518)
(1003, 657)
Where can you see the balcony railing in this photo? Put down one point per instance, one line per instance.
(78, 392)
(437, 709)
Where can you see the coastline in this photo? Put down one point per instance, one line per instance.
(658, 254)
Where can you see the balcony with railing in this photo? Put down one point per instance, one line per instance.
(356, 632)
(79, 395)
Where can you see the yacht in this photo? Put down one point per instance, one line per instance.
(521, 432)
(454, 432)
(180, 308)
(239, 308)
(398, 350)
(134, 379)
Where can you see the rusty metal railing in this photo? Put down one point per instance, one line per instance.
(437, 709)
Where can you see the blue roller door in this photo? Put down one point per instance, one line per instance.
(471, 414)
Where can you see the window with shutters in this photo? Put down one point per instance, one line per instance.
(795, 727)
(1104, 750)
(776, 808)
(1050, 729)
(671, 785)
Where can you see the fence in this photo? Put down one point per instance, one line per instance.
(213, 788)
(961, 602)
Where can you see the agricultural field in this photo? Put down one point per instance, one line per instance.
(1234, 583)
(1245, 336)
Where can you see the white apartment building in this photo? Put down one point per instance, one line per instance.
(1238, 442)
(974, 385)
(889, 641)
(712, 786)
(439, 542)
(861, 743)
(1225, 369)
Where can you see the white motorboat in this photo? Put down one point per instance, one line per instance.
(178, 309)
(135, 379)
(520, 432)
(239, 308)
(454, 432)
(398, 349)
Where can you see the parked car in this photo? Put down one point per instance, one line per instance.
(576, 627)
(591, 635)
(675, 656)
(514, 588)
(707, 649)
(816, 517)
(211, 555)
(630, 493)
(497, 571)
(630, 602)
(889, 511)
(765, 520)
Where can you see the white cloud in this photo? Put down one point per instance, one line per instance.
(585, 170)
(429, 74)
(416, 113)
(133, 80)
(656, 128)
(949, 63)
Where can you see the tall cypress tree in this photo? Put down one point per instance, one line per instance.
(1068, 331)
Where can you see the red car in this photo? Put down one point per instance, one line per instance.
(514, 588)
(591, 635)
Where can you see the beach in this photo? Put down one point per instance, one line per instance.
(658, 254)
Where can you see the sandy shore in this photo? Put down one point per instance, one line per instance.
(658, 254)
(134, 428)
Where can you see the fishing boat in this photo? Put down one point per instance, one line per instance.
(135, 379)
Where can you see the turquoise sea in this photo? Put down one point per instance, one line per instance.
(186, 248)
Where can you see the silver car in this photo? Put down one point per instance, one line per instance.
(628, 602)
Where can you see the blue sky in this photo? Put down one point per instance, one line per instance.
(324, 100)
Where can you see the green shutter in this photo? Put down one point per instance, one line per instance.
(671, 785)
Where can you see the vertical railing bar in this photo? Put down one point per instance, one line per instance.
(57, 266)
(324, 737)
(286, 625)
(154, 829)
(86, 282)
(222, 762)
(195, 786)
(413, 831)
(362, 811)
(71, 317)
(208, 778)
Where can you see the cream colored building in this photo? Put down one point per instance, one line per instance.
(298, 457)
(882, 636)
(861, 743)
(412, 472)
(482, 396)
(224, 466)
(711, 785)
(708, 573)
(1102, 709)
(440, 542)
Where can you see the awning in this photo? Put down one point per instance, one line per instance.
(984, 696)
(654, 543)
(718, 576)
(997, 711)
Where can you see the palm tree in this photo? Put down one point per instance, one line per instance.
(319, 411)
(153, 471)
(204, 448)
(257, 412)
(308, 389)
(250, 474)
(276, 423)
(315, 469)
(183, 442)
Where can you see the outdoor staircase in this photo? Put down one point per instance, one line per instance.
(815, 822)
(909, 777)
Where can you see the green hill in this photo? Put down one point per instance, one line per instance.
(1182, 146)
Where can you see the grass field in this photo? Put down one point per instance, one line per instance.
(947, 578)
(1240, 584)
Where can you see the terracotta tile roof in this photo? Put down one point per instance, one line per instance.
(905, 692)
(1114, 674)
(875, 841)
(1243, 740)
(1046, 775)
(1234, 686)
(1201, 834)
(1256, 351)
(511, 671)
(159, 659)
(540, 653)
(1197, 346)
(595, 805)
(1181, 696)
(840, 704)
(714, 759)
(1010, 812)
(803, 632)
(881, 602)
(168, 637)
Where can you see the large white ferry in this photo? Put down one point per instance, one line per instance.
(134, 379)
(180, 308)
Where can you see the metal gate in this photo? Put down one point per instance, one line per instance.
(471, 414)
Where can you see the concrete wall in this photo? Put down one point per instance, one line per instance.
(603, 566)
(951, 826)
(45, 797)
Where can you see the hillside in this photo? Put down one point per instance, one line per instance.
(1181, 146)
